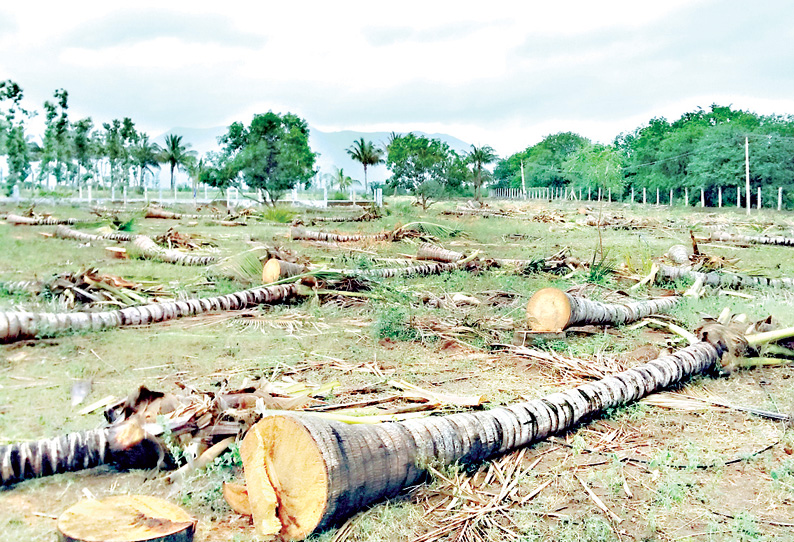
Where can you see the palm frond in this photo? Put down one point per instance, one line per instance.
(245, 267)
(436, 230)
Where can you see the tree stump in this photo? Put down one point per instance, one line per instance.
(126, 518)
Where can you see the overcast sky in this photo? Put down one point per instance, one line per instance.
(499, 73)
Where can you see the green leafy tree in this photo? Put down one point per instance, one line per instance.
(428, 168)
(146, 156)
(596, 165)
(56, 143)
(272, 154)
(82, 147)
(342, 181)
(13, 139)
(543, 162)
(366, 153)
(176, 154)
(218, 171)
(478, 158)
(112, 147)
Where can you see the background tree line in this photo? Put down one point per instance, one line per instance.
(702, 149)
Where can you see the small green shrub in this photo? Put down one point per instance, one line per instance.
(393, 323)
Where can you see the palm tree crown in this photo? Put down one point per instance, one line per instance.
(176, 154)
(366, 153)
(479, 157)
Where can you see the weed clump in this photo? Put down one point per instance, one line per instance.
(394, 323)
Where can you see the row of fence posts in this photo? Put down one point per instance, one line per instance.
(565, 193)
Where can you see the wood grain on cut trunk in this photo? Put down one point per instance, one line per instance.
(275, 269)
(126, 518)
(553, 310)
(322, 471)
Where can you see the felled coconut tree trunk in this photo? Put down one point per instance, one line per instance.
(305, 473)
(302, 234)
(723, 280)
(65, 232)
(19, 325)
(18, 220)
(124, 445)
(426, 251)
(678, 254)
(752, 239)
(148, 249)
(275, 269)
(431, 268)
(158, 212)
(553, 310)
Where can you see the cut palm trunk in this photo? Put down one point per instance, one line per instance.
(124, 445)
(723, 280)
(426, 251)
(19, 325)
(306, 473)
(146, 248)
(276, 269)
(778, 240)
(158, 212)
(18, 220)
(65, 232)
(126, 518)
(678, 254)
(552, 310)
(431, 268)
(301, 233)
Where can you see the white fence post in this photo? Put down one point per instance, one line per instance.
(146, 194)
(779, 198)
(89, 193)
(758, 203)
(644, 195)
(125, 195)
(657, 197)
(671, 197)
(686, 197)
(719, 197)
(16, 193)
(702, 198)
(632, 194)
(739, 196)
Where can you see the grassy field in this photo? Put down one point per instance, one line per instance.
(684, 471)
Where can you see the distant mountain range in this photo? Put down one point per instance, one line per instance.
(331, 147)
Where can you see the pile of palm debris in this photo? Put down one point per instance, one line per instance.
(94, 289)
(174, 239)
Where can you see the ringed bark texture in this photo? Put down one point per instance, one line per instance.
(18, 220)
(362, 464)
(426, 251)
(678, 254)
(19, 325)
(65, 232)
(723, 280)
(67, 453)
(302, 234)
(551, 309)
(152, 251)
(431, 268)
(778, 240)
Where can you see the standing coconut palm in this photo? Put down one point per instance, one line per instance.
(176, 154)
(342, 180)
(366, 153)
(479, 157)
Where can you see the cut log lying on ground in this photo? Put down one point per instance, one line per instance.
(145, 247)
(159, 212)
(19, 325)
(553, 310)
(426, 251)
(65, 232)
(276, 269)
(678, 254)
(301, 233)
(18, 220)
(126, 518)
(752, 239)
(305, 474)
(20, 286)
(723, 280)
(125, 445)
(432, 268)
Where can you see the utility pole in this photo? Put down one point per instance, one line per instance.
(747, 170)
